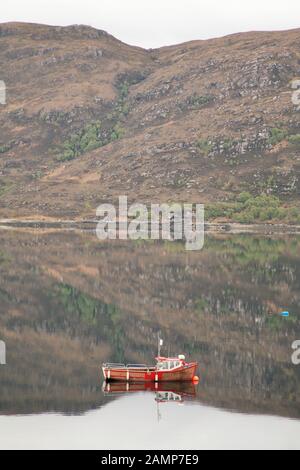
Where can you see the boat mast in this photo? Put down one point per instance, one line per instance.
(160, 343)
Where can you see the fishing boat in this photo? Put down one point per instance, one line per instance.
(167, 369)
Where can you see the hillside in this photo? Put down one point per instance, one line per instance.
(89, 118)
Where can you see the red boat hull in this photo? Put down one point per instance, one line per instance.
(181, 374)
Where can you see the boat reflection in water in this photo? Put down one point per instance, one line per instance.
(171, 392)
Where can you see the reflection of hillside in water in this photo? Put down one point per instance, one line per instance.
(69, 302)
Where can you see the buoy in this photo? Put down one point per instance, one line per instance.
(285, 314)
(196, 379)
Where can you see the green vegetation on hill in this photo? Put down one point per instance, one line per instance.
(6, 147)
(199, 101)
(87, 139)
(94, 135)
(279, 134)
(205, 146)
(249, 209)
(295, 139)
(5, 186)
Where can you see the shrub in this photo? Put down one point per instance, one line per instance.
(123, 90)
(263, 201)
(277, 135)
(249, 209)
(5, 186)
(243, 197)
(295, 139)
(67, 155)
(205, 146)
(85, 140)
(228, 144)
(197, 101)
(5, 148)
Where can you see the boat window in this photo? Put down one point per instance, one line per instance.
(167, 365)
(162, 365)
(173, 364)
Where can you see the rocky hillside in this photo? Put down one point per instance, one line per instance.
(88, 118)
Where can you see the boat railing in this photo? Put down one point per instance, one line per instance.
(110, 365)
(137, 366)
(117, 365)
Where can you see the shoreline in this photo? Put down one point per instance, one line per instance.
(210, 227)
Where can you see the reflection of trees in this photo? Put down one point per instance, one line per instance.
(213, 305)
(103, 320)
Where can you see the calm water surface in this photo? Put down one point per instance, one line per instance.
(69, 302)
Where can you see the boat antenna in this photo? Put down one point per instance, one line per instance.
(160, 344)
